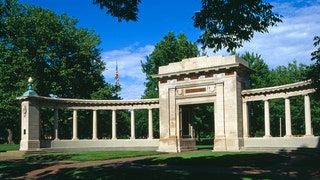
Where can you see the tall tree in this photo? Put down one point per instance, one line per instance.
(314, 73)
(259, 78)
(171, 49)
(229, 23)
(62, 58)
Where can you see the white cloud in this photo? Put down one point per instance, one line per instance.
(290, 40)
(131, 77)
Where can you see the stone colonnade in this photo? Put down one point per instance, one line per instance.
(94, 124)
(284, 92)
(31, 105)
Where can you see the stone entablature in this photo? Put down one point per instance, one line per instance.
(204, 64)
(92, 104)
(283, 91)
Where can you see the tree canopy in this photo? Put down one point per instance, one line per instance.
(121, 9)
(228, 23)
(63, 60)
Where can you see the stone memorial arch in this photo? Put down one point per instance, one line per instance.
(219, 81)
(212, 80)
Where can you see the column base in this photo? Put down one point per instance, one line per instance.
(220, 144)
(168, 144)
(29, 145)
(308, 135)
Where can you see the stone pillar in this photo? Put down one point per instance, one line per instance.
(219, 120)
(56, 124)
(266, 119)
(150, 124)
(245, 119)
(94, 125)
(307, 114)
(132, 125)
(75, 125)
(30, 127)
(114, 125)
(288, 118)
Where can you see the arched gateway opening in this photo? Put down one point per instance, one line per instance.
(197, 121)
(217, 80)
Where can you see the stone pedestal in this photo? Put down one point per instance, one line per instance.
(30, 129)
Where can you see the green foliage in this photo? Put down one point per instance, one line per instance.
(259, 78)
(170, 49)
(202, 118)
(122, 9)
(61, 58)
(314, 73)
(229, 23)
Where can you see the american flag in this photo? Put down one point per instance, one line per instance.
(116, 76)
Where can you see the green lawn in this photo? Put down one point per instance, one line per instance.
(9, 147)
(189, 165)
(89, 155)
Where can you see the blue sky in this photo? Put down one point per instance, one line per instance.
(129, 43)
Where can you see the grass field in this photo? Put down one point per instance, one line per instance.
(203, 164)
(9, 147)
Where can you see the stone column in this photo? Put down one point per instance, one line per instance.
(75, 125)
(56, 124)
(150, 124)
(114, 125)
(266, 119)
(132, 125)
(245, 119)
(94, 125)
(288, 118)
(307, 114)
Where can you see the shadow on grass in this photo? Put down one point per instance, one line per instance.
(17, 168)
(252, 160)
(228, 166)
